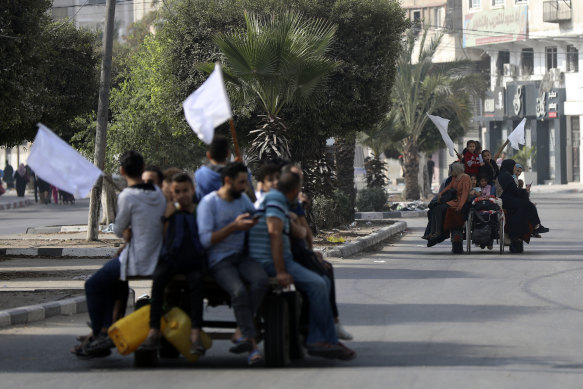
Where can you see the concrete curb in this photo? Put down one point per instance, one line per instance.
(81, 252)
(16, 204)
(56, 229)
(32, 313)
(389, 215)
(365, 242)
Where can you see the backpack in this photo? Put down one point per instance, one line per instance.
(182, 248)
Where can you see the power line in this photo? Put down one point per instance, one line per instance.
(71, 18)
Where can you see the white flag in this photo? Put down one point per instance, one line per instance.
(442, 125)
(517, 136)
(208, 107)
(57, 163)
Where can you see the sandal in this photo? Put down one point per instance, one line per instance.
(347, 353)
(254, 357)
(151, 343)
(242, 345)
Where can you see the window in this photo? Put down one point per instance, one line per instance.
(527, 62)
(503, 57)
(416, 16)
(521, 1)
(437, 17)
(496, 3)
(475, 3)
(551, 56)
(572, 59)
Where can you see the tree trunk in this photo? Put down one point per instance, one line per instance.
(108, 203)
(345, 149)
(411, 170)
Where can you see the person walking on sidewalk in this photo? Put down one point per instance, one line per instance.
(8, 176)
(20, 180)
(140, 210)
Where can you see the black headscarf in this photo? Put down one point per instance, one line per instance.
(508, 166)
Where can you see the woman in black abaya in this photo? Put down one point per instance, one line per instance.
(521, 212)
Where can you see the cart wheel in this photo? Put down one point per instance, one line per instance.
(277, 337)
(501, 233)
(469, 233)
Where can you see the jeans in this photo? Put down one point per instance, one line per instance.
(317, 288)
(162, 276)
(230, 273)
(438, 217)
(101, 291)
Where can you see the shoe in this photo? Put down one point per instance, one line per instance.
(342, 333)
(242, 345)
(151, 343)
(536, 235)
(325, 350)
(347, 353)
(426, 237)
(541, 230)
(490, 247)
(197, 348)
(99, 347)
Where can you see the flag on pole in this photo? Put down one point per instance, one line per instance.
(57, 163)
(517, 136)
(442, 125)
(208, 106)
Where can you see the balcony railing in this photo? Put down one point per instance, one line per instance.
(556, 11)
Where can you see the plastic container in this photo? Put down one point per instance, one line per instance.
(130, 332)
(177, 332)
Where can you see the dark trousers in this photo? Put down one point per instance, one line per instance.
(102, 289)
(162, 276)
(330, 275)
(230, 273)
(438, 217)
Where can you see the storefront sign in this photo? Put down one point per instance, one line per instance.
(496, 26)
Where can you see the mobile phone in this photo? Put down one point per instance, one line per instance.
(256, 216)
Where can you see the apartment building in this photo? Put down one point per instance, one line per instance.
(535, 64)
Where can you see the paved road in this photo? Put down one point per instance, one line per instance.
(422, 318)
(16, 221)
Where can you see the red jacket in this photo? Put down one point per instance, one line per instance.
(472, 163)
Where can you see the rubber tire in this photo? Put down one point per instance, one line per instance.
(294, 303)
(167, 350)
(469, 233)
(517, 246)
(143, 358)
(501, 232)
(457, 247)
(276, 343)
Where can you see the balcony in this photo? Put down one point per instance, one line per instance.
(556, 11)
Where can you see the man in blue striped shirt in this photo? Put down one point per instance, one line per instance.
(269, 244)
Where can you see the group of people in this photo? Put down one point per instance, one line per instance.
(173, 224)
(476, 174)
(14, 178)
(18, 179)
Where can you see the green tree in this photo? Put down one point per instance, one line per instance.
(48, 71)
(278, 60)
(421, 87)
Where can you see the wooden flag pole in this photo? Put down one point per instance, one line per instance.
(501, 149)
(235, 141)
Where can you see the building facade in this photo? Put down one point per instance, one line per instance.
(533, 46)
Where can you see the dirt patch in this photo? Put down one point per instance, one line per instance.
(20, 299)
(344, 235)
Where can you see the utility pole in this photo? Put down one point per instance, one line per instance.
(101, 131)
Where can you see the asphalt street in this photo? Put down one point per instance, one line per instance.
(421, 317)
(16, 221)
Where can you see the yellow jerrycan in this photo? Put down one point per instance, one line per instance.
(129, 332)
(177, 332)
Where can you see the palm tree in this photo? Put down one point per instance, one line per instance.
(276, 61)
(423, 87)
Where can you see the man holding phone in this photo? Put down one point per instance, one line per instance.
(223, 216)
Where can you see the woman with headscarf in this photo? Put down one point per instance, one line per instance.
(461, 183)
(521, 212)
(20, 180)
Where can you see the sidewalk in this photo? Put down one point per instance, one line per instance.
(9, 200)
